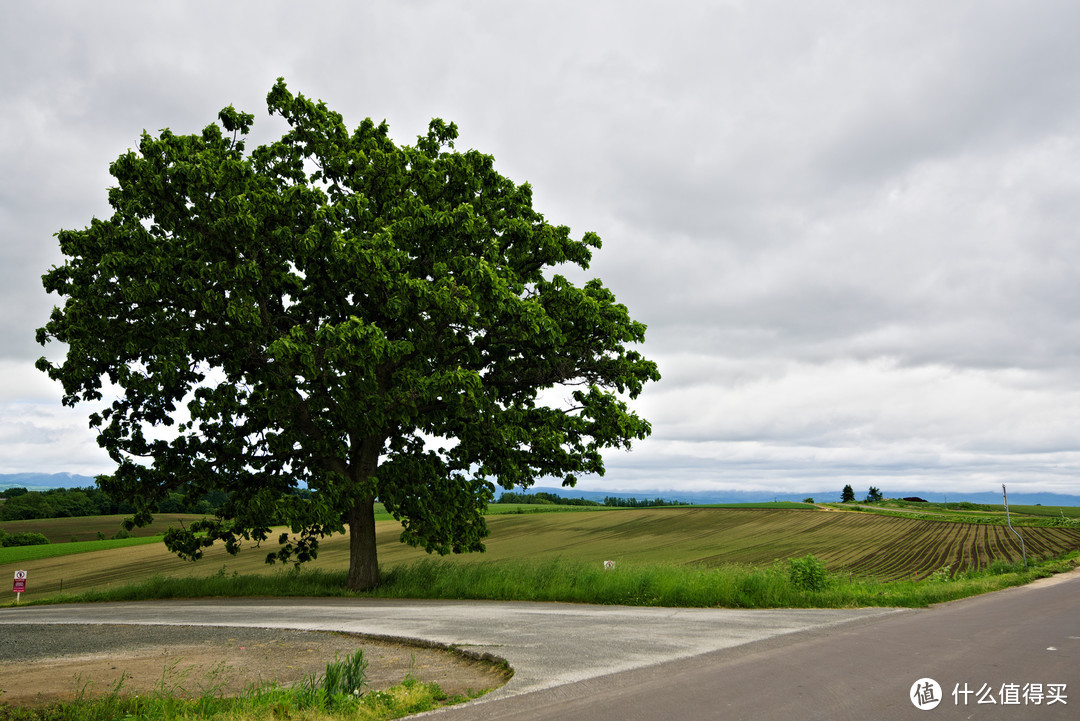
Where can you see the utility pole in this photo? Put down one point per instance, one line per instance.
(1005, 498)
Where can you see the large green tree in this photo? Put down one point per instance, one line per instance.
(336, 312)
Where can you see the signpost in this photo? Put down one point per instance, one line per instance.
(20, 585)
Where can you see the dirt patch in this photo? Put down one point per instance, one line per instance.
(193, 660)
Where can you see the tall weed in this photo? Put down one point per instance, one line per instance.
(341, 684)
(807, 573)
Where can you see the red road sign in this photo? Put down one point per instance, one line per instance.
(20, 582)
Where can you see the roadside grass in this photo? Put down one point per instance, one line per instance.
(340, 692)
(776, 585)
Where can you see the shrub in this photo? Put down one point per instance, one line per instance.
(23, 539)
(941, 575)
(807, 573)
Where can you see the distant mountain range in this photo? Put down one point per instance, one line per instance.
(45, 481)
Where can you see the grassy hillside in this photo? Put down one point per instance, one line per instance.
(864, 544)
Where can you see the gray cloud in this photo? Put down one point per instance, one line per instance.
(850, 228)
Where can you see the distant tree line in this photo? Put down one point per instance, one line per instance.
(21, 504)
(544, 498)
(632, 502)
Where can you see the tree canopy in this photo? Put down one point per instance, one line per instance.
(335, 312)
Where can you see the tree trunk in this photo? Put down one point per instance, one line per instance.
(363, 558)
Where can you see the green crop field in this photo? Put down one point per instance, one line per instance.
(868, 545)
(1047, 511)
(1025, 516)
(86, 528)
(863, 544)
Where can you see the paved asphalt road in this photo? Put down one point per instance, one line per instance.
(589, 662)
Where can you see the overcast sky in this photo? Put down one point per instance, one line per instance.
(851, 227)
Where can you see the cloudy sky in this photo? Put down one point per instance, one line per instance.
(851, 227)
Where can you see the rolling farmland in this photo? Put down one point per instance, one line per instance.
(86, 528)
(863, 544)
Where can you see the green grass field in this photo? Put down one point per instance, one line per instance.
(861, 544)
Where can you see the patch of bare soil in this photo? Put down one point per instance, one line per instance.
(197, 660)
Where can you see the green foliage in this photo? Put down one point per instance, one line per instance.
(808, 500)
(807, 573)
(82, 502)
(941, 575)
(847, 495)
(56, 503)
(9, 540)
(874, 495)
(336, 312)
